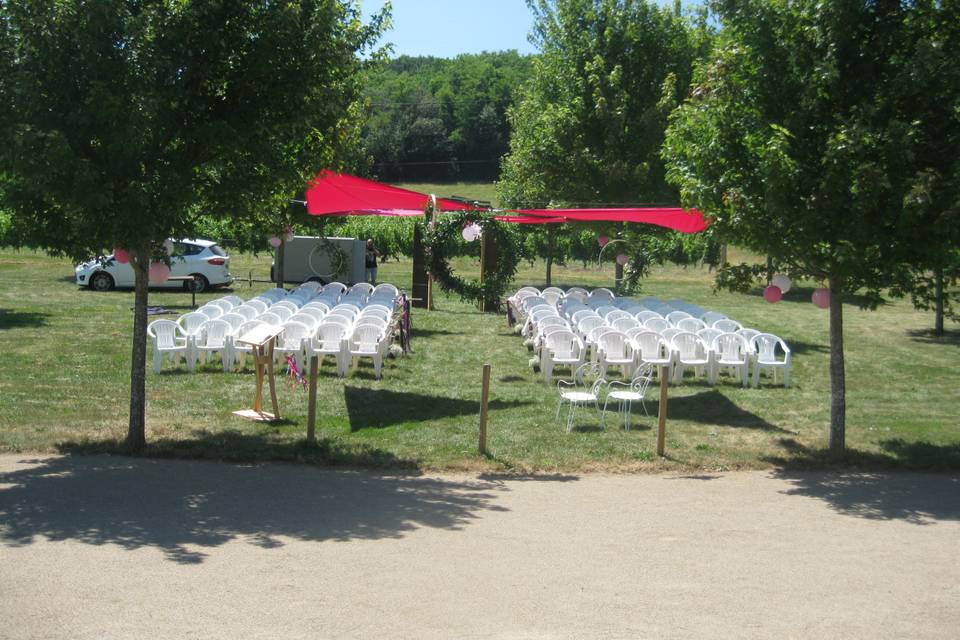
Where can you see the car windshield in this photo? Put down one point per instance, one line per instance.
(217, 251)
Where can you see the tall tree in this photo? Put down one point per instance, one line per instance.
(588, 126)
(121, 121)
(797, 141)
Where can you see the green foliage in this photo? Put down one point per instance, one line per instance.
(441, 119)
(122, 123)
(393, 236)
(589, 124)
(443, 241)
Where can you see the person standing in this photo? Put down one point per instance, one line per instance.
(371, 261)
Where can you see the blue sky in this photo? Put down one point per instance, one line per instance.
(445, 28)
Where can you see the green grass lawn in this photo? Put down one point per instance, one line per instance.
(64, 367)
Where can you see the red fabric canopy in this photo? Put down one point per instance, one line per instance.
(675, 218)
(339, 194)
(336, 193)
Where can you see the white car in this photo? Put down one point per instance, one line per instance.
(202, 259)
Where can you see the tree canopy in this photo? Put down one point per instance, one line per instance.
(799, 139)
(122, 121)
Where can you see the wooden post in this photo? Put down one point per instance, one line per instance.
(662, 417)
(484, 399)
(312, 402)
(420, 278)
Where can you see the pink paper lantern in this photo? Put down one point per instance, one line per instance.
(821, 297)
(603, 240)
(274, 241)
(622, 259)
(772, 294)
(159, 272)
(121, 255)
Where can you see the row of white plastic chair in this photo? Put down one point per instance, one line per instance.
(300, 313)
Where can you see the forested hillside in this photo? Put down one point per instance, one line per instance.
(437, 119)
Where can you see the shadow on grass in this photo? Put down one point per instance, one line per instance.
(378, 408)
(927, 336)
(798, 347)
(712, 407)
(17, 319)
(805, 295)
(861, 483)
(187, 508)
(426, 333)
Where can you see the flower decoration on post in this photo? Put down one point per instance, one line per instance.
(603, 240)
(622, 259)
(275, 241)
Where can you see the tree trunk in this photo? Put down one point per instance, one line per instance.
(136, 429)
(838, 388)
(618, 276)
(723, 254)
(938, 293)
(551, 242)
(770, 270)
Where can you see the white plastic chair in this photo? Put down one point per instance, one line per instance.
(316, 304)
(343, 321)
(259, 305)
(240, 350)
(727, 325)
(601, 295)
(626, 393)
(591, 339)
(236, 301)
(552, 297)
(291, 341)
(691, 324)
(214, 337)
(575, 293)
(584, 389)
(361, 287)
(329, 341)
(618, 314)
(386, 289)
(561, 347)
(190, 324)
(308, 319)
(316, 312)
(730, 351)
(584, 313)
(765, 347)
(335, 287)
(224, 305)
(643, 316)
(168, 338)
(248, 312)
(625, 324)
(656, 324)
(270, 318)
(712, 316)
(615, 350)
(284, 309)
(653, 349)
(234, 320)
(690, 351)
(367, 341)
(676, 316)
(211, 311)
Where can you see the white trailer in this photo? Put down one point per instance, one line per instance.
(323, 260)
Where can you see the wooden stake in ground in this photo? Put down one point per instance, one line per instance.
(312, 402)
(484, 399)
(662, 417)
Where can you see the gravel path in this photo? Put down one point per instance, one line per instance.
(101, 547)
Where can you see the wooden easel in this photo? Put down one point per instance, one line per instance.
(262, 339)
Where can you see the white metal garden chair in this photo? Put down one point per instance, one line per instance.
(615, 350)
(213, 337)
(561, 347)
(766, 358)
(732, 352)
(583, 390)
(329, 341)
(626, 393)
(168, 338)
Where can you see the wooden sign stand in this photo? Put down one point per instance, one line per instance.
(262, 339)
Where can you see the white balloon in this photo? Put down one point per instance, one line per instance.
(168, 246)
(782, 282)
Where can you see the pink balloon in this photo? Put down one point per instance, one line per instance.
(772, 294)
(159, 272)
(821, 297)
(603, 240)
(622, 259)
(121, 255)
(274, 241)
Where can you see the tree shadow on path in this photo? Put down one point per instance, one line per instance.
(873, 485)
(185, 508)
